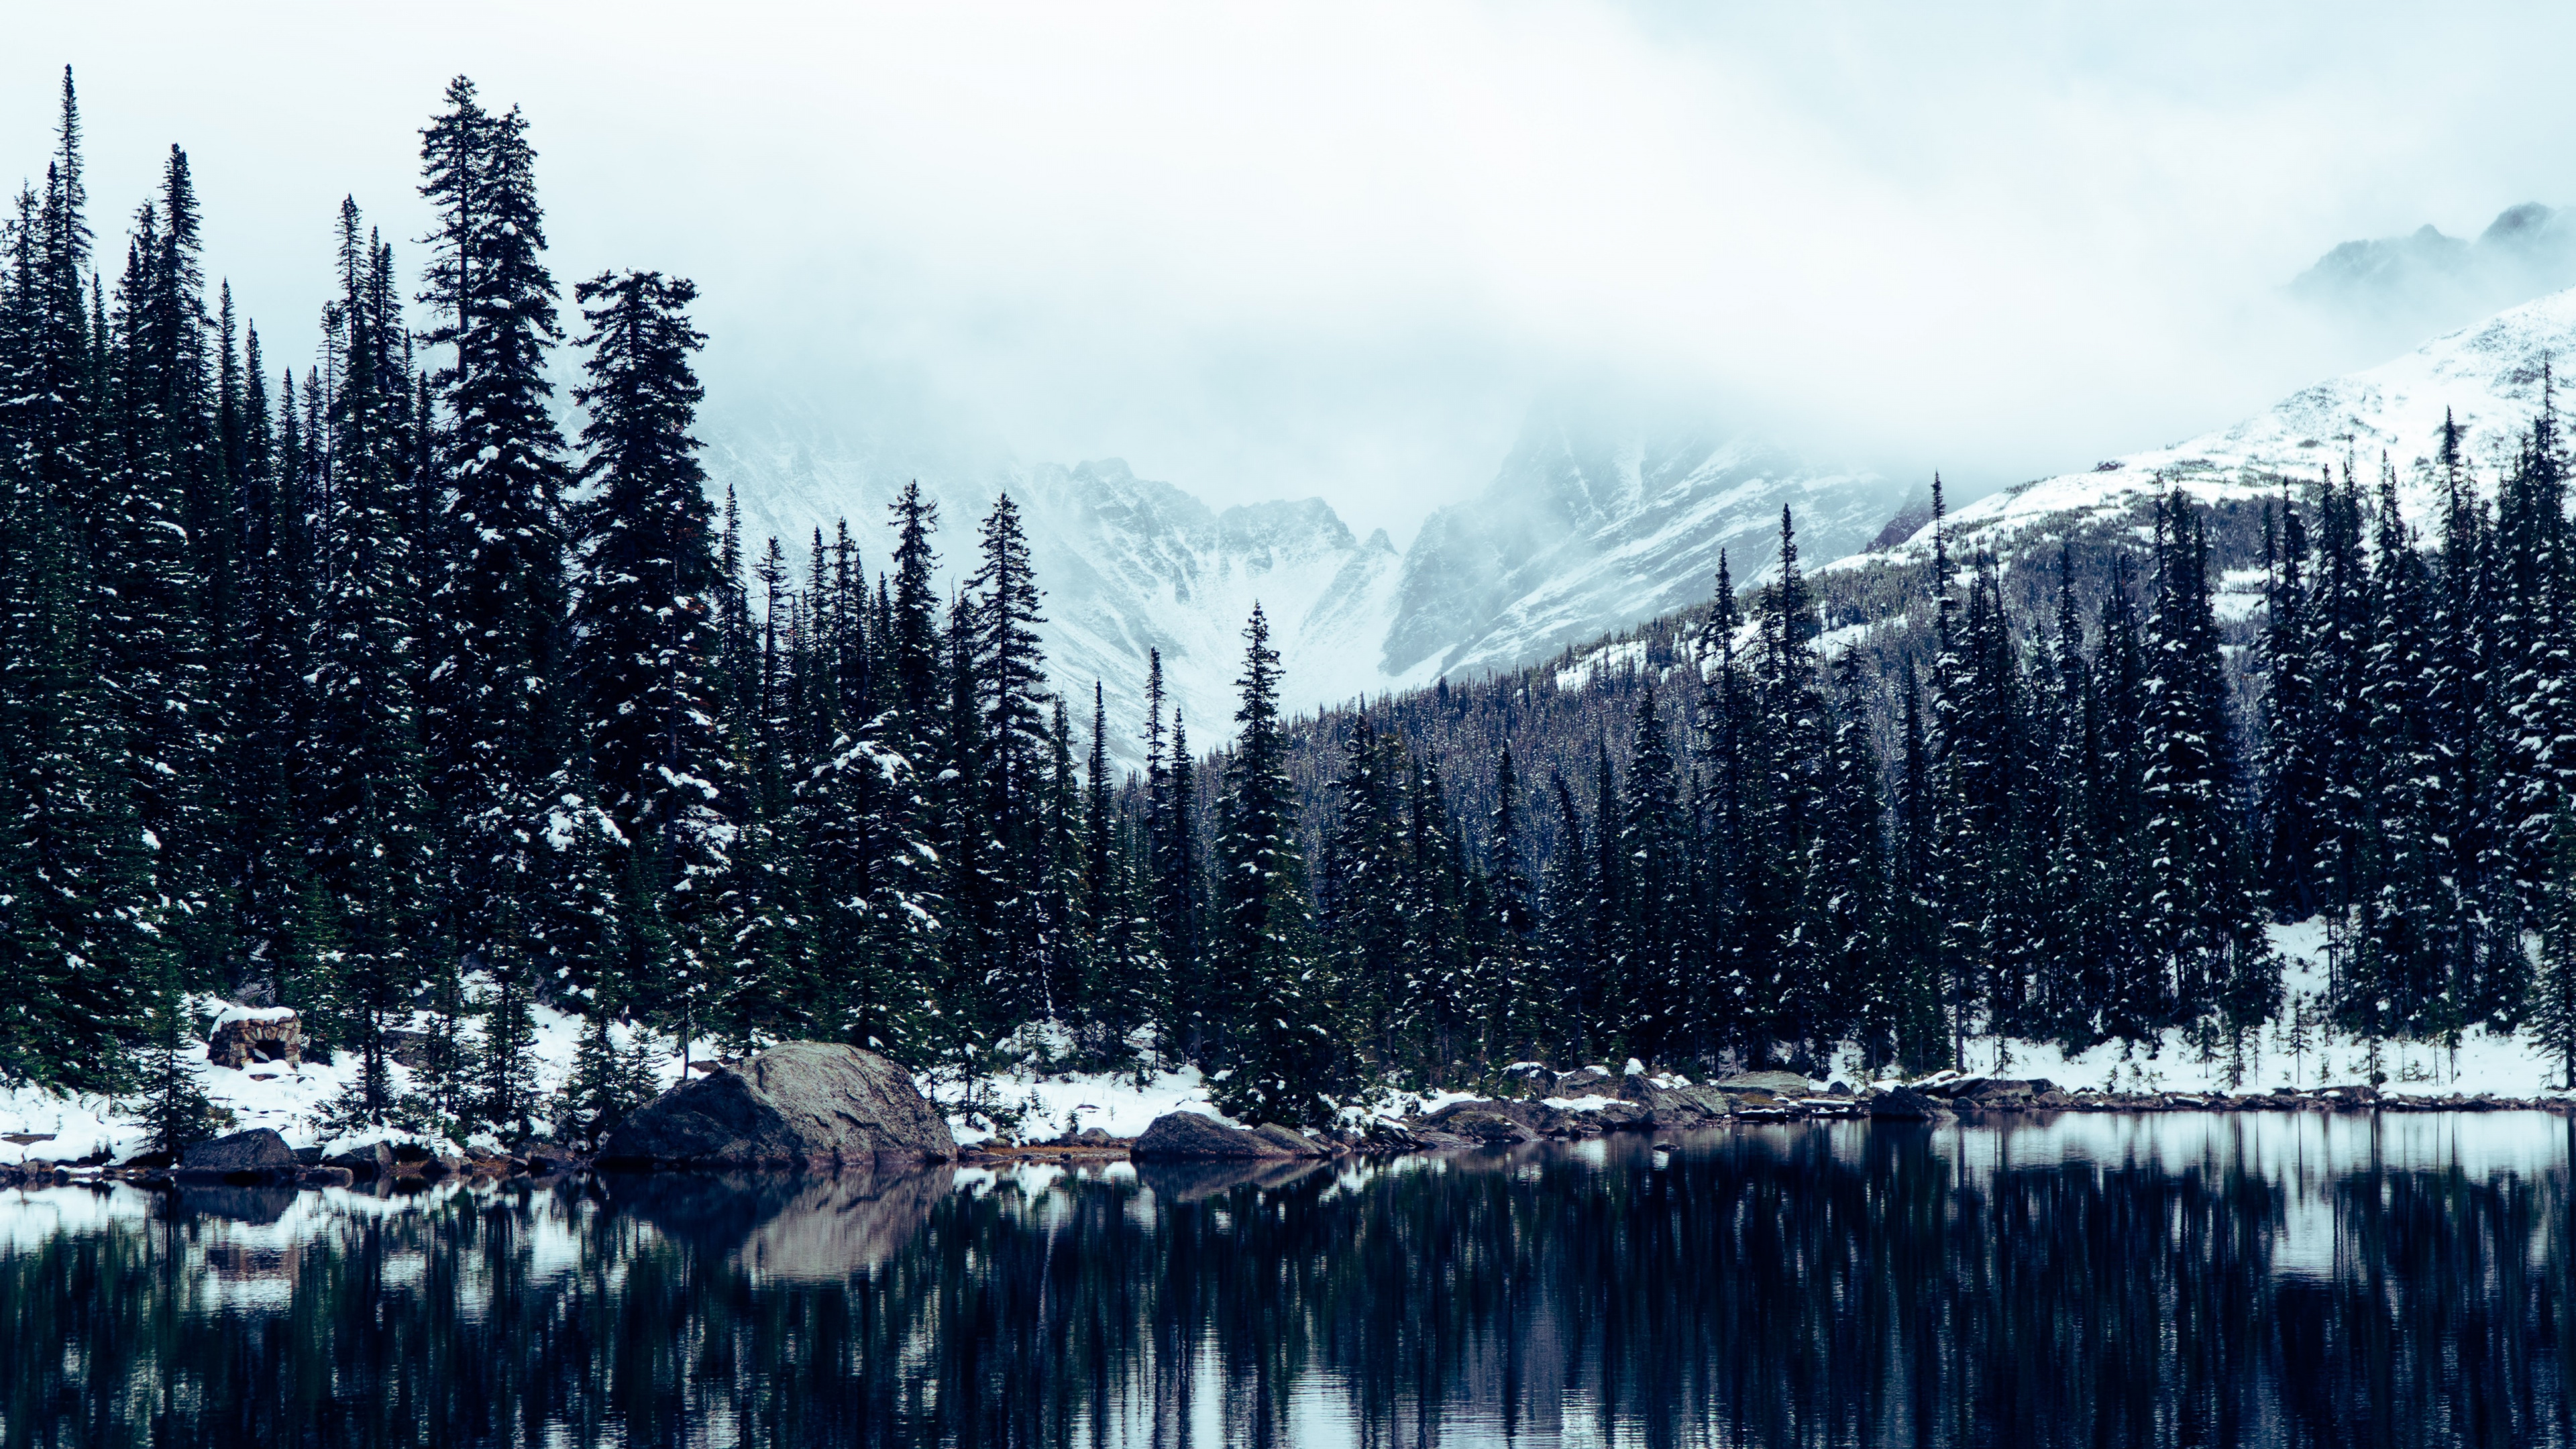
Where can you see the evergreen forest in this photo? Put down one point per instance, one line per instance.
(392, 686)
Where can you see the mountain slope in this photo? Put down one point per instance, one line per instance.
(1581, 531)
(2488, 377)
(2396, 290)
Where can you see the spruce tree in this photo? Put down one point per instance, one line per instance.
(1283, 1061)
(644, 625)
(493, 717)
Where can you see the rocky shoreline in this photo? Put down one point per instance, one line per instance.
(763, 1116)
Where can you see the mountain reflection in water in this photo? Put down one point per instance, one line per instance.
(2254, 1279)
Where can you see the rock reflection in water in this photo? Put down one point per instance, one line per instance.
(2220, 1280)
(788, 1227)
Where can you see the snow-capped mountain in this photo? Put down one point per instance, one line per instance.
(1579, 532)
(2394, 290)
(2487, 377)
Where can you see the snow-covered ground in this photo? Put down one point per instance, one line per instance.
(264, 1094)
(292, 1099)
(2507, 1066)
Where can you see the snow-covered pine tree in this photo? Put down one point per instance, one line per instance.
(1572, 990)
(647, 604)
(1358, 897)
(920, 691)
(79, 905)
(1846, 886)
(2212, 956)
(370, 855)
(1430, 894)
(1915, 1007)
(1654, 1014)
(492, 716)
(1796, 739)
(2406, 908)
(2294, 731)
(2550, 1019)
(147, 590)
(1727, 863)
(1004, 781)
(170, 1102)
(1518, 1016)
(1283, 1057)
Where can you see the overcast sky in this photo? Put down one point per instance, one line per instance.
(1340, 249)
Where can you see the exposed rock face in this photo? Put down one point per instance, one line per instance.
(2000, 1092)
(1904, 1104)
(1487, 1127)
(1541, 1119)
(799, 1104)
(547, 1157)
(1195, 1136)
(1778, 1084)
(1288, 1139)
(366, 1164)
(1677, 1106)
(243, 1035)
(258, 1154)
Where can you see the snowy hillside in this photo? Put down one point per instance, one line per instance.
(2487, 377)
(1577, 534)
(1582, 534)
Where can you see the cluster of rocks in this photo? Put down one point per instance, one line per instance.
(261, 1157)
(1991, 1094)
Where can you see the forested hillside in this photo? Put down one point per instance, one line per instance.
(358, 686)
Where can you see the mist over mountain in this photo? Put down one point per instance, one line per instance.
(2391, 292)
(1588, 525)
(2489, 379)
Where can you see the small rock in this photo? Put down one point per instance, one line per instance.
(1486, 1127)
(547, 1157)
(367, 1163)
(325, 1177)
(1288, 1139)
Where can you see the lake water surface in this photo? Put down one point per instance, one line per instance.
(2249, 1279)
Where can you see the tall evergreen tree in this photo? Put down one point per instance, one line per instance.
(497, 586)
(1283, 1060)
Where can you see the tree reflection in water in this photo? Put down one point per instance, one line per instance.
(2179, 1280)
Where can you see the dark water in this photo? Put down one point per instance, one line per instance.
(2094, 1281)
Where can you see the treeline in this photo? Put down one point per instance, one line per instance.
(1997, 822)
(364, 690)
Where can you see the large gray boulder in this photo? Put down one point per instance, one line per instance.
(798, 1104)
(258, 1154)
(1197, 1137)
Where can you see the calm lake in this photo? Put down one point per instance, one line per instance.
(2183, 1279)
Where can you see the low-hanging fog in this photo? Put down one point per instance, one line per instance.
(1342, 249)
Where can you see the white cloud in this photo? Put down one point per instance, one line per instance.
(1336, 248)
